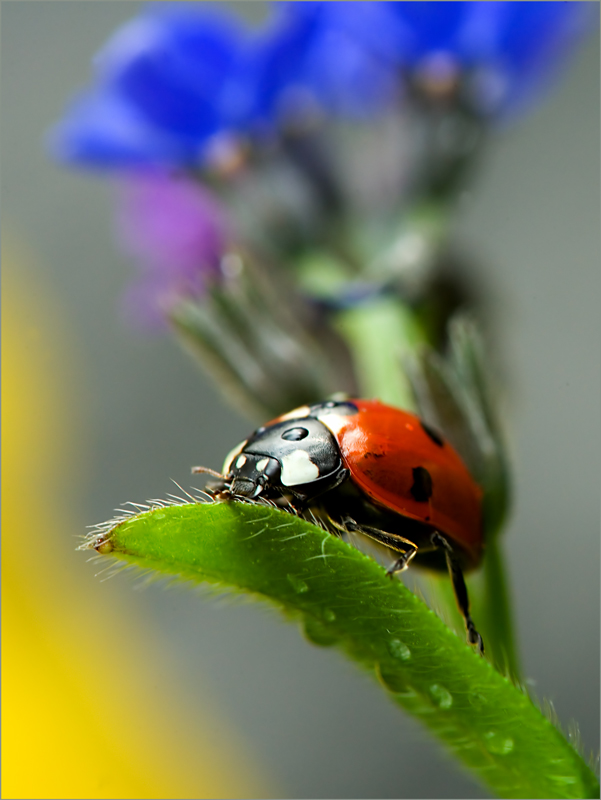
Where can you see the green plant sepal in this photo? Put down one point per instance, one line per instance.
(344, 598)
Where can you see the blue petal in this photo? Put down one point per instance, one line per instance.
(275, 60)
(526, 47)
(102, 130)
(164, 85)
(172, 66)
(305, 57)
(513, 49)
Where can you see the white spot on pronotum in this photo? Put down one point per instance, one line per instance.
(240, 462)
(334, 422)
(297, 468)
(227, 464)
(262, 464)
(297, 413)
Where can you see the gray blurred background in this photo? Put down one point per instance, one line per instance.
(531, 224)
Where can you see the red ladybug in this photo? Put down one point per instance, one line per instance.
(366, 467)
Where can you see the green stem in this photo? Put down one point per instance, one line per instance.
(379, 335)
(345, 598)
(492, 604)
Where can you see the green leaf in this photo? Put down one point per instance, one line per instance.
(344, 598)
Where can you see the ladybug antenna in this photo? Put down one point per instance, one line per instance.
(208, 471)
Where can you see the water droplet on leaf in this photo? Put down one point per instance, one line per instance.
(298, 584)
(497, 743)
(441, 696)
(318, 633)
(476, 700)
(398, 649)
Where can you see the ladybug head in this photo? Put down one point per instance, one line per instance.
(296, 456)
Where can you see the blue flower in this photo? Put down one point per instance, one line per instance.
(305, 60)
(506, 52)
(165, 84)
(173, 82)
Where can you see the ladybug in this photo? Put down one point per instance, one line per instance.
(366, 467)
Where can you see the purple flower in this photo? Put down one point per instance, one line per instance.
(177, 232)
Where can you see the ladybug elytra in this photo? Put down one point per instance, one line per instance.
(366, 467)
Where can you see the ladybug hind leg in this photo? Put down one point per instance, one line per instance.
(399, 544)
(459, 588)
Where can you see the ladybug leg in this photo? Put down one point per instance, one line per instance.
(402, 561)
(303, 502)
(391, 540)
(459, 588)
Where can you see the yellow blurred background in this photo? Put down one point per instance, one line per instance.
(86, 710)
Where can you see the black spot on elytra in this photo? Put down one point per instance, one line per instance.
(422, 485)
(434, 435)
(371, 454)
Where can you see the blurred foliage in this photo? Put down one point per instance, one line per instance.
(81, 714)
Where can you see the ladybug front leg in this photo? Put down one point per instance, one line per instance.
(460, 588)
(390, 540)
